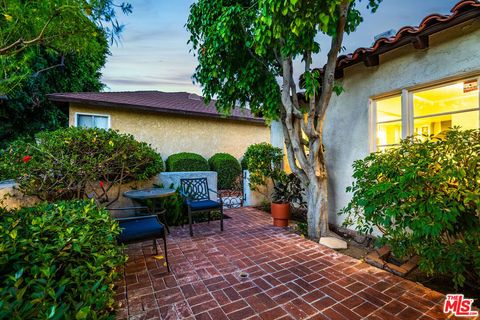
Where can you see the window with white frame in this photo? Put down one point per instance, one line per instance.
(388, 122)
(87, 120)
(425, 112)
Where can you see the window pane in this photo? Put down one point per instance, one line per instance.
(435, 125)
(101, 122)
(389, 133)
(449, 98)
(84, 121)
(389, 109)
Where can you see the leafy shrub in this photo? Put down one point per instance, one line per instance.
(186, 161)
(289, 190)
(228, 169)
(58, 261)
(64, 163)
(263, 161)
(425, 197)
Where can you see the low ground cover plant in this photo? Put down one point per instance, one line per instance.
(66, 163)
(425, 198)
(186, 161)
(228, 169)
(58, 261)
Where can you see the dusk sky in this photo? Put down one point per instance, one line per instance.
(154, 55)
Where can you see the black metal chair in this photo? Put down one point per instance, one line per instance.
(140, 228)
(196, 194)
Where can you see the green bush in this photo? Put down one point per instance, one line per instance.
(64, 163)
(186, 161)
(58, 261)
(264, 162)
(425, 197)
(228, 169)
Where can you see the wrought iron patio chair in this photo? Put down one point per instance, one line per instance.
(140, 228)
(196, 194)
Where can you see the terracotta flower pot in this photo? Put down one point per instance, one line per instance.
(280, 214)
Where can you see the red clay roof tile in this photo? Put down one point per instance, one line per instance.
(463, 11)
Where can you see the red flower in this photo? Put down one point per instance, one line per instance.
(101, 184)
(27, 158)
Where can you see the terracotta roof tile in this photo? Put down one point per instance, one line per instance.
(464, 10)
(156, 101)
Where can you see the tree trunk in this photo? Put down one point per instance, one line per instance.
(317, 207)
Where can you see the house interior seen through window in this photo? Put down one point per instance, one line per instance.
(389, 122)
(430, 111)
(438, 109)
(92, 121)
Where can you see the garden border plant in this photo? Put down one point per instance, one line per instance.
(58, 261)
(68, 163)
(425, 198)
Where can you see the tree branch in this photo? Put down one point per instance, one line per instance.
(20, 42)
(292, 133)
(329, 71)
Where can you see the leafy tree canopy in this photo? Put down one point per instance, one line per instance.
(50, 46)
(65, 26)
(240, 46)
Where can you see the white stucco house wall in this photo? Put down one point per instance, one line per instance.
(422, 80)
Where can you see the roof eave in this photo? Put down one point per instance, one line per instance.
(97, 103)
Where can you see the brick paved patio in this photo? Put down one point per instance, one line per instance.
(288, 277)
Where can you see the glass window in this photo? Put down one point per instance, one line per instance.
(92, 121)
(438, 109)
(389, 122)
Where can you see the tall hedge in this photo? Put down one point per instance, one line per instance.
(228, 169)
(62, 164)
(186, 161)
(58, 261)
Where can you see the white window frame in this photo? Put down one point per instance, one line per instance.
(91, 114)
(408, 108)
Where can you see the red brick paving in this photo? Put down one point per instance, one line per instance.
(289, 277)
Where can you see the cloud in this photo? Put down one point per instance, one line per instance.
(154, 53)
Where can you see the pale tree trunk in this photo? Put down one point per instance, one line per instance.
(306, 156)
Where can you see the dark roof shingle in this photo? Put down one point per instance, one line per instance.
(156, 101)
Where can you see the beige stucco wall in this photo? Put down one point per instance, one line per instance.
(170, 134)
(452, 54)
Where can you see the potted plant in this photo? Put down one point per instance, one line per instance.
(287, 190)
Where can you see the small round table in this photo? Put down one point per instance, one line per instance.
(151, 194)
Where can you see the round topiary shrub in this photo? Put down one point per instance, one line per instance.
(228, 169)
(186, 161)
(425, 197)
(67, 163)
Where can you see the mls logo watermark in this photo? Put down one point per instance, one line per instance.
(459, 306)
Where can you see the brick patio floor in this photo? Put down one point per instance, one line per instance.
(287, 277)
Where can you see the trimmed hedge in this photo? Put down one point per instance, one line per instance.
(186, 161)
(228, 169)
(58, 261)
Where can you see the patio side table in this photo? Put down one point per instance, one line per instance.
(152, 194)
